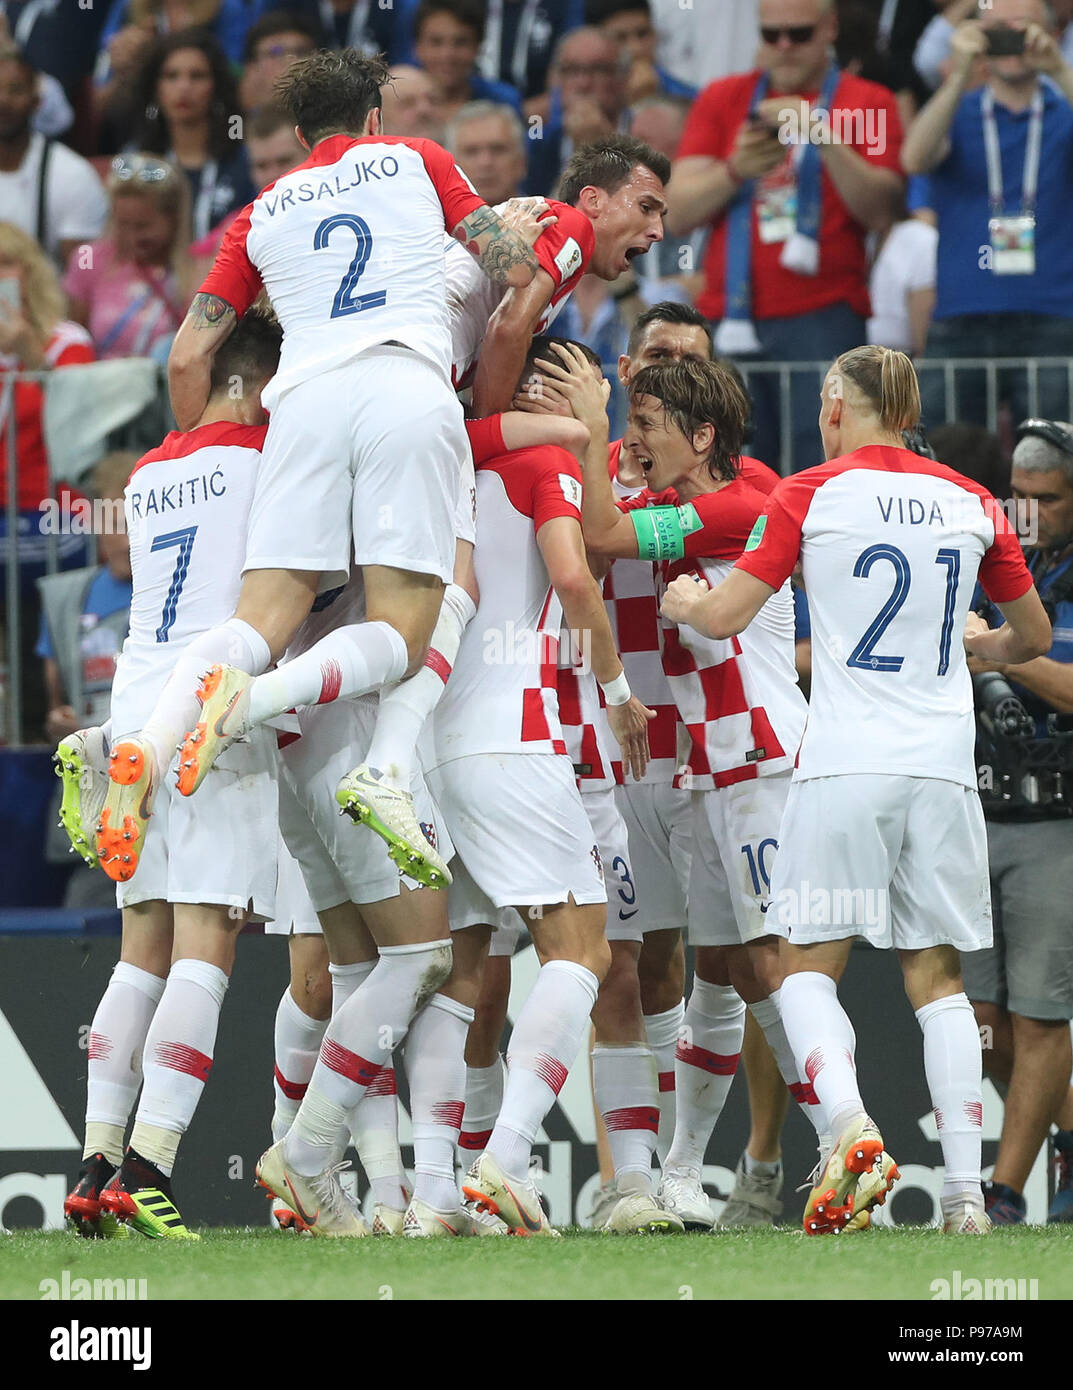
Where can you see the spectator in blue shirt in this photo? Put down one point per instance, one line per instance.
(447, 38)
(518, 40)
(1000, 160)
(586, 102)
(628, 24)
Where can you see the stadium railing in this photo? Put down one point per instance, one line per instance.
(951, 374)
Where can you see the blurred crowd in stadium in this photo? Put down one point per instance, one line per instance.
(133, 131)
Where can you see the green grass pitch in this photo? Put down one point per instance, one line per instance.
(767, 1264)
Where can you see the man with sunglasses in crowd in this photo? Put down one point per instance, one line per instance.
(793, 164)
(1022, 986)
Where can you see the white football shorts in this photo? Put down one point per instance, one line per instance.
(295, 914)
(210, 847)
(612, 840)
(371, 452)
(341, 861)
(735, 839)
(520, 830)
(899, 861)
(659, 823)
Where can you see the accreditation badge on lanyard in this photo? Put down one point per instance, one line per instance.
(1013, 238)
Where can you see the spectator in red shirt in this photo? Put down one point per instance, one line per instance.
(793, 164)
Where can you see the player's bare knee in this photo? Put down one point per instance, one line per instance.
(712, 965)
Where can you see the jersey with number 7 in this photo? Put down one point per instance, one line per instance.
(187, 505)
(891, 546)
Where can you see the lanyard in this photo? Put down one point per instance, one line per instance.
(887, 16)
(488, 60)
(1033, 150)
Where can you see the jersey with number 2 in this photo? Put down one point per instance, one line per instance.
(891, 545)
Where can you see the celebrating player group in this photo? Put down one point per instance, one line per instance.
(535, 670)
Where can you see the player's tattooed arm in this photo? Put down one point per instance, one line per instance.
(506, 344)
(502, 253)
(209, 322)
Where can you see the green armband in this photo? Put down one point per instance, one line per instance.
(662, 531)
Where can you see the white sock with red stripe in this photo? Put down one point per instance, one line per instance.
(296, 1040)
(766, 1012)
(436, 1070)
(405, 707)
(953, 1065)
(823, 1043)
(374, 1121)
(662, 1031)
(178, 1059)
(359, 1040)
(545, 1041)
(706, 1059)
(177, 710)
(625, 1087)
(116, 1039)
(350, 661)
(484, 1096)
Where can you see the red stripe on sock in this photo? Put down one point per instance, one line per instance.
(100, 1047)
(803, 1093)
(331, 681)
(293, 1090)
(632, 1117)
(814, 1063)
(384, 1083)
(346, 1063)
(974, 1109)
(713, 1062)
(436, 661)
(666, 1081)
(550, 1070)
(474, 1139)
(179, 1057)
(449, 1113)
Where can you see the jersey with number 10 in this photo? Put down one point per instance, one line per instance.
(187, 504)
(349, 246)
(891, 545)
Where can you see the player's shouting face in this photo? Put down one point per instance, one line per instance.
(627, 222)
(660, 448)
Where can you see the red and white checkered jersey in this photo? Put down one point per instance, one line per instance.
(630, 600)
(502, 695)
(590, 744)
(891, 546)
(738, 699)
(349, 246)
(186, 505)
(564, 251)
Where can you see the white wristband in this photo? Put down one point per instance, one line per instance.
(617, 692)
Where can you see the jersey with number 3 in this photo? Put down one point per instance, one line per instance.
(891, 545)
(349, 246)
(186, 504)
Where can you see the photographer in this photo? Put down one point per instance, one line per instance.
(1022, 987)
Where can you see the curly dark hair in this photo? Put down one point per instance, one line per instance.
(151, 129)
(332, 91)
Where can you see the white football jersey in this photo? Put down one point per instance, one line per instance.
(186, 505)
(891, 545)
(349, 246)
(502, 695)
